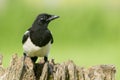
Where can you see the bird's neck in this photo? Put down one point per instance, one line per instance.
(39, 26)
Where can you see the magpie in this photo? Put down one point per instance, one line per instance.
(37, 39)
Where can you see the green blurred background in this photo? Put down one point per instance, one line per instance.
(87, 32)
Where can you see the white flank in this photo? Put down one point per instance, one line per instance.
(32, 50)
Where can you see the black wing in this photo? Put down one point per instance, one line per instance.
(25, 36)
(52, 39)
(47, 36)
(41, 38)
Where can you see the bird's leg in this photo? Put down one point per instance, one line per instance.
(50, 69)
(45, 58)
(34, 59)
(22, 71)
(24, 56)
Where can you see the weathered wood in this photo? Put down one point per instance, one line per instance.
(19, 70)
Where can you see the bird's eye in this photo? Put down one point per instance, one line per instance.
(41, 18)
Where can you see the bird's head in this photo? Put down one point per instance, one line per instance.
(45, 18)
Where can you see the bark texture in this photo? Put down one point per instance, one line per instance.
(19, 70)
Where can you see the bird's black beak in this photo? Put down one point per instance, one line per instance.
(52, 17)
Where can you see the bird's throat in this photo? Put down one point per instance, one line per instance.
(36, 27)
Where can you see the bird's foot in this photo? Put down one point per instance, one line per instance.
(24, 57)
(50, 68)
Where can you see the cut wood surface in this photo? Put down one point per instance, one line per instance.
(18, 70)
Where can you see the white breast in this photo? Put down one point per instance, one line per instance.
(32, 50)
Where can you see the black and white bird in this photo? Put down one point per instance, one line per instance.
(37, 39)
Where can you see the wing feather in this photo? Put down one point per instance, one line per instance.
(25, 36)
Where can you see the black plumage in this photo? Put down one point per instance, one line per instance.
(38, 38)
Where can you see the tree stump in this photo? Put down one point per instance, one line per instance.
(19, 70)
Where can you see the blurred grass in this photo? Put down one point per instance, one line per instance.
(87, 32)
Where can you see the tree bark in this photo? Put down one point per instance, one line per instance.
(26, 70)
